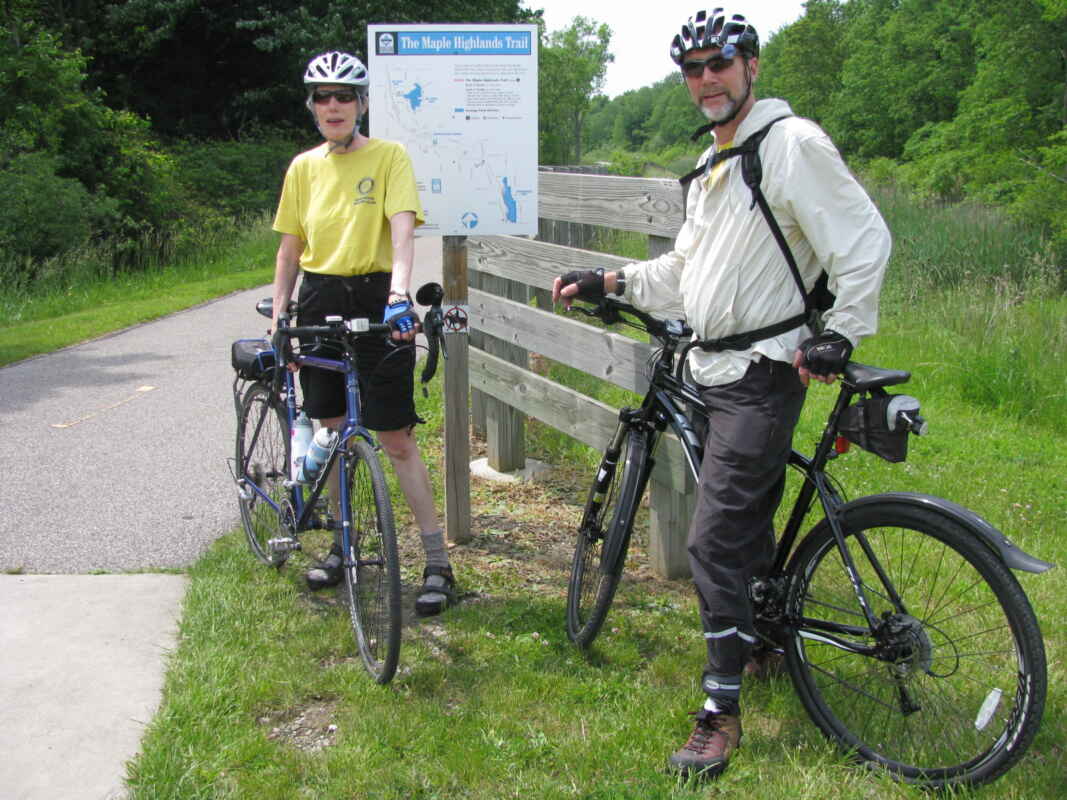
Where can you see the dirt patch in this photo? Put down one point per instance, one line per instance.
(309, 728)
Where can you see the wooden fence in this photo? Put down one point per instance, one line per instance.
(504, 273)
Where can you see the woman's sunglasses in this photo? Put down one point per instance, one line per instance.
(340, 95)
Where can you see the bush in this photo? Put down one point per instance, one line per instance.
(237, 178)
(41, 213)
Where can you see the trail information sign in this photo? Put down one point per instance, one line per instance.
(463, 100)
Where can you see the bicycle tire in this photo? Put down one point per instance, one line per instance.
(614, 496)
(372, 569)
(964, 695)
(262, 454)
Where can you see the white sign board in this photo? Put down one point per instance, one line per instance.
(463, 100)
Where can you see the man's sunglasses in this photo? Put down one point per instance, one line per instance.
(716, 63)
(340, 95)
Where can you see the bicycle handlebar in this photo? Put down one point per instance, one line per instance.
(430, 294)
(433, 326)
(610, 312)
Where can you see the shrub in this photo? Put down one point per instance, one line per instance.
(41, 213)
(237, 178)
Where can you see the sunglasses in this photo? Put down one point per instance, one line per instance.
(340, 95)
(716, 63)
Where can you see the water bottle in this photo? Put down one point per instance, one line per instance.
(317, 454)
(299, 443)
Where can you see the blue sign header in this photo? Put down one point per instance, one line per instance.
(451, 43)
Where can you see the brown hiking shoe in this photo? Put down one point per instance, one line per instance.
(713, 740)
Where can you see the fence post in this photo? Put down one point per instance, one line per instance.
(670, 509)
(477, 340)
(457, 391)
(505, 427)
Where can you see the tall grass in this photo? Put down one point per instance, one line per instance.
(80, 295)
(939, 246)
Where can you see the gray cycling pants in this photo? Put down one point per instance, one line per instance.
(731, 538)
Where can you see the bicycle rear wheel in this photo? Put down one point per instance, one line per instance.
(372, 565)
(263, 463)
(604, 533)
(952, 687)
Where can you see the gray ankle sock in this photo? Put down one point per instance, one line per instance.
(434, 545)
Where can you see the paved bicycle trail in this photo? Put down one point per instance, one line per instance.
(115, 461)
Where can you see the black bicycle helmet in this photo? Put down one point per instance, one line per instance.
(716, 28)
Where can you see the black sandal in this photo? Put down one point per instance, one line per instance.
(328, 572)
(438, 591)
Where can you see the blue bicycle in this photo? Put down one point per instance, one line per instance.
(276, 508)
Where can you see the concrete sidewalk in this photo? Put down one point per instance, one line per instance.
(83, 662)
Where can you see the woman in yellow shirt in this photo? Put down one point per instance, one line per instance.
(347, 217)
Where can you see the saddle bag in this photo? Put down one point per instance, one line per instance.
(874, 424)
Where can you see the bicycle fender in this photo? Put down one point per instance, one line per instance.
(1011, 555)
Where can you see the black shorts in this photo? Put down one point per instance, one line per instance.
(386, 372)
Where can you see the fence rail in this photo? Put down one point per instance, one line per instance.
(506, 273)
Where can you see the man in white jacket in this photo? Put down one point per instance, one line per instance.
(733, 280)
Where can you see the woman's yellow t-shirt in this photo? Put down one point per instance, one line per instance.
(339, 206)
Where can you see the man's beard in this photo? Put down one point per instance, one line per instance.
(729, 109)
(721, 113)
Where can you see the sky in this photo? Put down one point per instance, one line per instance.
(641, 32)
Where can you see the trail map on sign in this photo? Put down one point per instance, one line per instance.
(463, 100)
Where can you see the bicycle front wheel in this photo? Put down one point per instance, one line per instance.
(950, 686)
(263, 466)
(604, 533)
(372, 565)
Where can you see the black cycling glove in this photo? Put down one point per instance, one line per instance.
(590, 283)
(826, 354)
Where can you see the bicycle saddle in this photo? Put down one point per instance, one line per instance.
(864, 377)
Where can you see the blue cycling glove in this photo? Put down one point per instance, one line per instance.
(400, 315)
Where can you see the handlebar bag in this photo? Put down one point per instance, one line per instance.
(252, 358)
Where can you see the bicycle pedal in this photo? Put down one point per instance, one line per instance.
(284, 544)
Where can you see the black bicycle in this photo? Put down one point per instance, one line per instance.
(907, 637)
(276, 508)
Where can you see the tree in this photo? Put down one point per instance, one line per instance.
(802, 62)
(572, 66)
(674, 115)
(215, 70)
(59, 143)
(905, 65)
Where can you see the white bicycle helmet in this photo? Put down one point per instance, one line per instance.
(336, 67)
(716, 28)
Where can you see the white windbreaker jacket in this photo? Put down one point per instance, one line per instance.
(726, 273)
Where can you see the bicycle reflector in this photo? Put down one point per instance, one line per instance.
(842, 445)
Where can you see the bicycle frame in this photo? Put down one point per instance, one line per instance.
(303, 511)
